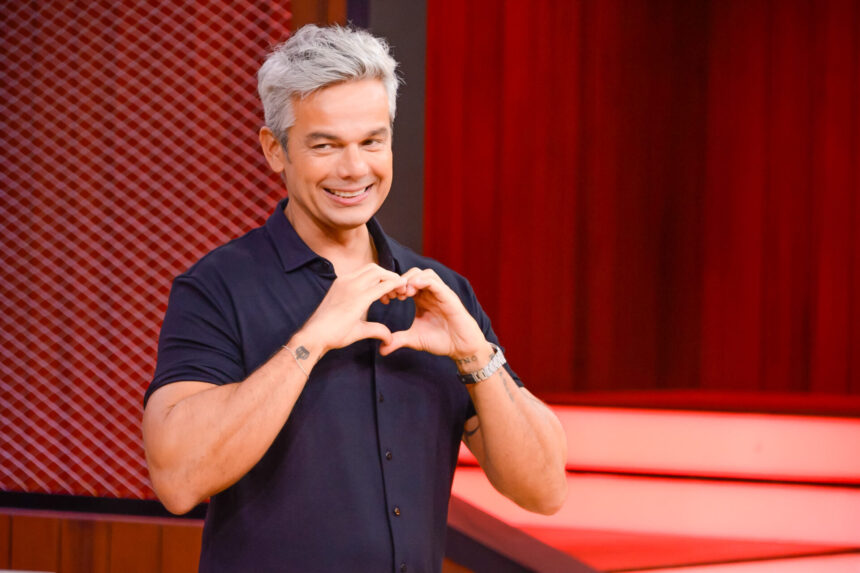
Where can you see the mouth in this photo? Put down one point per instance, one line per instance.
(348, 194)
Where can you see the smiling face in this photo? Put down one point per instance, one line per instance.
(338, 166)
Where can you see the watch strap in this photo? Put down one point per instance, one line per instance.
(496, 362)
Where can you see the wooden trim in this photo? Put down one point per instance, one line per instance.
(135, 547)
(82, 543)
(180, 547)
(84, 546)
(35, 543)
(5, 540)
(319, 12)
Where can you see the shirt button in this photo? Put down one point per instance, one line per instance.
(403, 567)
(396, 511)
(388, 455)
(381, 397)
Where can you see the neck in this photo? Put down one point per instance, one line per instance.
(347, 250)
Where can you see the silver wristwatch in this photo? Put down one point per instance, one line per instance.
(496, 362)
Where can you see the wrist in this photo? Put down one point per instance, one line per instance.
(474, 360)
(309, 336)
(304, 351)
(486, 369)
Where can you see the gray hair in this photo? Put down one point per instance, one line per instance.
(314, 58)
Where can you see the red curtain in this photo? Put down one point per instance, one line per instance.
(653, 195)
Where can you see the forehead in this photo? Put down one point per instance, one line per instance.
(345, 108)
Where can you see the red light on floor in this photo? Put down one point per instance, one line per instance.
(710, 444)
(849, 563)
(706, 508)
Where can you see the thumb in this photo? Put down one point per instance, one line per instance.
(374, 330)
(400, 339)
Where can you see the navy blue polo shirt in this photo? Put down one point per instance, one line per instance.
(359, 477)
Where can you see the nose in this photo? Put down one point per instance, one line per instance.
(352, 164)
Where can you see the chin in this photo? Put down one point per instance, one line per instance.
(353, 219)
(357, 214)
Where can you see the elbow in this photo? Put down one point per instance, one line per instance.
(169, 482)
(174, 499)
(552, 504)
(546, 497)
(552, 499)
(177, 498)
(178, 507)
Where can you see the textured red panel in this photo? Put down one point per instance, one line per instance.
(128, 151)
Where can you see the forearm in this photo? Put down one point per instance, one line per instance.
(519, 442)
(200, 439)
(199, 442)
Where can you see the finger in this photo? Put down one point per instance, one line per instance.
(401, 292)
(430, 281)
(371, 273)
(383, 276)
(425, 276)
(400, 339)
(411, 289)
(393, 344)
(374, 330)
(360, 272)
(395, 294)
(383, 288)
(412, 272)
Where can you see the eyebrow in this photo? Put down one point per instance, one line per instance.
(317, 135)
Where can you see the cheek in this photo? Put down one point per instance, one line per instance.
(384, 166)
(310, 172)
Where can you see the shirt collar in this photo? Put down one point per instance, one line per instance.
(294, 253)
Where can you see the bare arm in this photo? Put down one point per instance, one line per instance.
(200, 439)
(518, 441)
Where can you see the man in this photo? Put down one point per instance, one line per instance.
(309, 372)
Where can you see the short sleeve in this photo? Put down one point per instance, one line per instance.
(487, 328)
(199, 340)
(470, 301)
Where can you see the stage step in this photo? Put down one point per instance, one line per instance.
(616, 551)
(844, 563)
(827, 515)
(654, 489)
(809, 449)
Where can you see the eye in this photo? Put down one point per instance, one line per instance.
(372, 142)
(321, 146)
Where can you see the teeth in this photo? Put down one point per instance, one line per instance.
(347, 194)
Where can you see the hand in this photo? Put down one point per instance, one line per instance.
(442, 324)
(339, 320)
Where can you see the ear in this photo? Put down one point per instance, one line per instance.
(275, 155)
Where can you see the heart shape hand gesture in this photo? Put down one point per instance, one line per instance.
(442, 325)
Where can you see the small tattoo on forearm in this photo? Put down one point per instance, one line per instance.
(505, 384)
(300, 353)
(467, 360)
